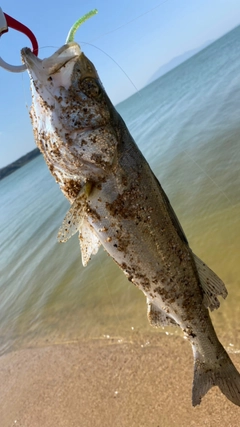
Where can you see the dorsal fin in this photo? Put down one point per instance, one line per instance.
(211, 284)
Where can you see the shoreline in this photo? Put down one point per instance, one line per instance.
(17, 164)
(106, 383)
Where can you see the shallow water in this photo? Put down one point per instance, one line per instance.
(187, 125)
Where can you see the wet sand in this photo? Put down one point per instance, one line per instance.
(106, 383)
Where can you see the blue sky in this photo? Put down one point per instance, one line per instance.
(140, 36)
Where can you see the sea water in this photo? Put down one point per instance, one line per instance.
(187, 124)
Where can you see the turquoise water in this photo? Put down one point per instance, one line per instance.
(187, 125)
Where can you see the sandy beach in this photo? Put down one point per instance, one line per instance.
(106, 383)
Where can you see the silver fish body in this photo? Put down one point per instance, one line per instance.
(117, 201)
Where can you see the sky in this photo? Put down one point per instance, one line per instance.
(127, 41)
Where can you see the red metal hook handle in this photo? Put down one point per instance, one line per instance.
(16, 25)
(7, 21)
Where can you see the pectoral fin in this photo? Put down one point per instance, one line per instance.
(74, 217)
(211, 284)
(75, 221)
(71, 224)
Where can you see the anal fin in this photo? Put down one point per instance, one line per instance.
(211, 284)
(158, 317)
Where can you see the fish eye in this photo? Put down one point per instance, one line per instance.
(90, 87)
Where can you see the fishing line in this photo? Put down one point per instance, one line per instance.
(132, 20)
(211, 179)
(45, 47)
(105, 53)
(119, 66)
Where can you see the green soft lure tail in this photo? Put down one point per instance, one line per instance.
(80, 21)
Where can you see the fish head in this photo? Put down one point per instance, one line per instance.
(68, 82)
(71, 114)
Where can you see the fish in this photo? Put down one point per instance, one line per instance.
(116, 201)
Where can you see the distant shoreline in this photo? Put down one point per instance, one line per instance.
(12, 167)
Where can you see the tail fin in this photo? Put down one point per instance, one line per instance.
(223, 374)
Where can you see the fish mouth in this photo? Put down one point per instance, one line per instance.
(39, 68)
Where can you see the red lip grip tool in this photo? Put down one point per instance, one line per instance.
(6, 22)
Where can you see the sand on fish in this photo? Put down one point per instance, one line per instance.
(107, 383)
